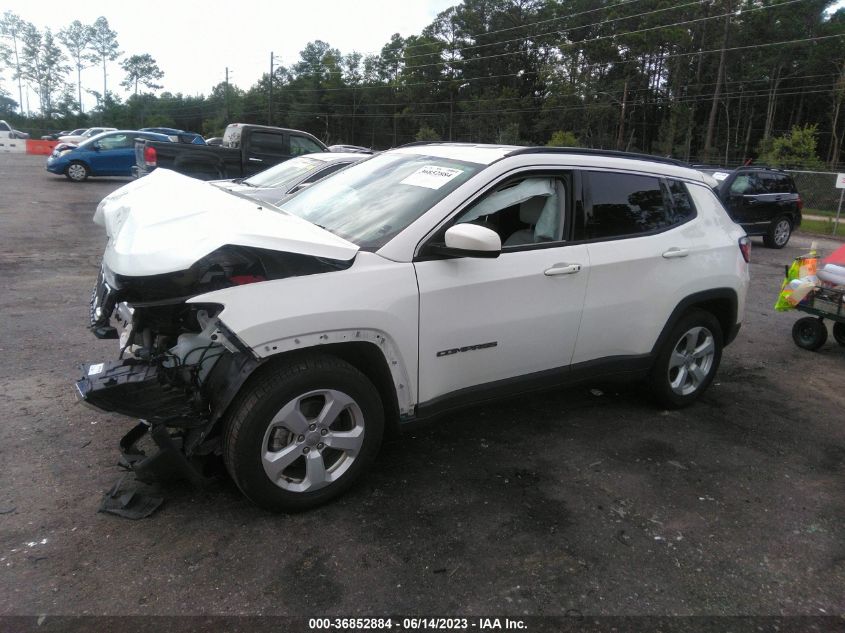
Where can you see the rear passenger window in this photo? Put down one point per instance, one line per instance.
(621, 205)
(267, 143)
(776, 183)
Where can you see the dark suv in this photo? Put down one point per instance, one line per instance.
(764, 201)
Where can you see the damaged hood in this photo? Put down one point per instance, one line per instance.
(165, 222)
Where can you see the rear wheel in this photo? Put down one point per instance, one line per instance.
(809, 333)
(77, 171)
(688, 361)
(839, 333)
(779, 233)
(304, 433)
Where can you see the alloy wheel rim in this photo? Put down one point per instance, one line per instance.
(782, 232)
(313, 440)
(691, 361)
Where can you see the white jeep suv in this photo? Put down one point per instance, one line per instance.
(289, 340)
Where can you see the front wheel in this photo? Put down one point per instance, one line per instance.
(688, 361)
(77, 172)
(809, 333)
(779, 233)
(302, 434)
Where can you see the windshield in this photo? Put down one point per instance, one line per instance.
(371, 201)
(284, 174)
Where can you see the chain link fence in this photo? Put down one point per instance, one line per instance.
(821, 198)
(818, 190)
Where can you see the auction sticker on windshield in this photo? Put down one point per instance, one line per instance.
(720, 175)
(431, 176)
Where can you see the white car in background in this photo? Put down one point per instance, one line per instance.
(275, 184)
(426, 278)
(77, 138)
(8, 132)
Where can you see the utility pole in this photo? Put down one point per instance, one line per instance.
(226, 97)
(620, 139)
(270, 100)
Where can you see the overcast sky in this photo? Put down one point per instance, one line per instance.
(193, 42)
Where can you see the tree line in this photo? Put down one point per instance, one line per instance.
(704, 80)
(42, 60)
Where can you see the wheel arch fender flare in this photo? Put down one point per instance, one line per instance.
(370, 351)
(722, 303)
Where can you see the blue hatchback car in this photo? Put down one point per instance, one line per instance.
(107, 154)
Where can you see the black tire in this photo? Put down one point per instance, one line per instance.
(77, 171)
(780, 230)
(839, 333)
(676, 385)
(809, 333)
(249, 435)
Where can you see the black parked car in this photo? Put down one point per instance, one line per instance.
(763, 200)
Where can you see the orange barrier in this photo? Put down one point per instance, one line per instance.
(44, 148)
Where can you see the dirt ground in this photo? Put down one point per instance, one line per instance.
(585, 501)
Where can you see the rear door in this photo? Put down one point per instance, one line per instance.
(638, 230)
(781, 197)
(264, 149)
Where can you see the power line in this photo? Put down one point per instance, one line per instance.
(580, 42)
(522, 73)
(583, 26)
(612, 36)
(522, 26)
(199, 108)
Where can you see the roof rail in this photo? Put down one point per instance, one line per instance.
(753, 166)
(415, 143)
(598, 152)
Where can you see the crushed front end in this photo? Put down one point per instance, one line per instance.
(178, 366)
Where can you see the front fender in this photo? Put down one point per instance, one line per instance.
(374, 301)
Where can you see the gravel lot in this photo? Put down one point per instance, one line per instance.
(573, 502)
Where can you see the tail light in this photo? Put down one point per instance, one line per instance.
(150, 157)
(745, 248)
(800, 203)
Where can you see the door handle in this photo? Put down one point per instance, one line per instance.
(675, 252)
(562, 269)
(255, 160)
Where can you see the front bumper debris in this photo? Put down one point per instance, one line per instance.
(168, 463)
(134, 387)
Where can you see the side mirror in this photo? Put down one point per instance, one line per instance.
(470, 240)
(96, 147)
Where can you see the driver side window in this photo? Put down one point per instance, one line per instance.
(116, 141)
(523, 212)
